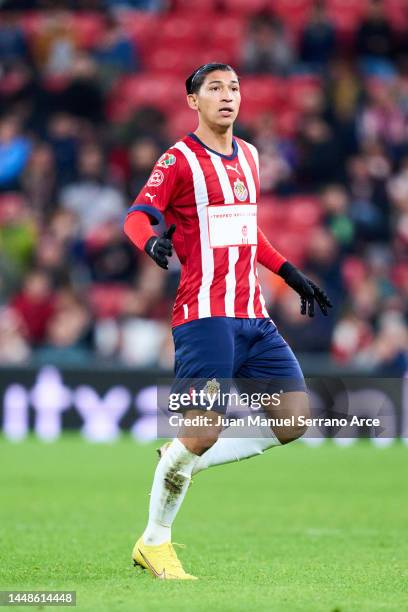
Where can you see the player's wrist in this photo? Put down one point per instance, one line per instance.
(286, 270)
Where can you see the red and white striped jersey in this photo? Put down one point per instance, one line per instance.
(212, 200)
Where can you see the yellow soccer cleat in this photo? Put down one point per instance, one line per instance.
(161, 561)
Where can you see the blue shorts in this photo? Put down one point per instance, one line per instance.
(249, 352)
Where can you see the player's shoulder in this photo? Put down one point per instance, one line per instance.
(168, 159)
(246, 144)
(172, 160)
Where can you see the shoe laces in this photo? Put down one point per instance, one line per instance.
(174, 561)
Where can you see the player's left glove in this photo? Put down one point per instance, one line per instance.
(307, 289)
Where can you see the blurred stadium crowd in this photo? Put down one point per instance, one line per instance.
(92, 92)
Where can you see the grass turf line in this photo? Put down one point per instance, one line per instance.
(296, 529)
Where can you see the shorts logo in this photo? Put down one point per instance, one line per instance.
(212, 387)
(166, 160)
(156, 178)
(240, 190)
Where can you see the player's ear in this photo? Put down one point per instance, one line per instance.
(192, 101)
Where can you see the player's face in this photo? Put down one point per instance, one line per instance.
(218, 99)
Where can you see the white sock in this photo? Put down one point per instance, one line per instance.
(170, 484)
(227, 450)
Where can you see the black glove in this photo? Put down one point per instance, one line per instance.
(307, 289)
(161, 247)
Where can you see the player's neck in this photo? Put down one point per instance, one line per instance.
(220, 142)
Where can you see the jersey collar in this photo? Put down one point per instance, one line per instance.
(229, 157)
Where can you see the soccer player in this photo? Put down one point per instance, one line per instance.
(206, 187)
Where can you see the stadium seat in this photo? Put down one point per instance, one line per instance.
(181, 60)
(181, 122)
(291, 245)
(296, 212)
(353, 271)
(213, 53)
(31, 23)
(260, 95)
(88, 28)
(354, 8)
(303, 212)
(146, 88)
(288, 222)
(107, 300)
(131, 92)
(202, 7)
(11, 207)
(180, 28)
(55, 82)
(266, 91)
(297, 87)
(397, 13)
(244, 6)
(287, 122)
(163, 59)
(400, 276)
(293, 13)
(141, 26)
(346, 14)
(271, 214)
(227, 28)
(249, 113)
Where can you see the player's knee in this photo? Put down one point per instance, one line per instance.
(298, 411)
(290, 434)
(199, 438)
(202, 443)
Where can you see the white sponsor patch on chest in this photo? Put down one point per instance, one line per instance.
(232, 225)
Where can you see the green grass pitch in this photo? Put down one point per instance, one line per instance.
(296, 529)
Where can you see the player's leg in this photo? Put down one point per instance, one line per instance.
(292, 406)
(269, 360)
(173, 474)
(198, 357)
(273, 362)
(154, 550)
(229, 450)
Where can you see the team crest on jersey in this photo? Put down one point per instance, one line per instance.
(156, 178)
(166, 160)
(240, 190)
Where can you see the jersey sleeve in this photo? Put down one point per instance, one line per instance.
(156, 195)
(138, 229)
(268, 256)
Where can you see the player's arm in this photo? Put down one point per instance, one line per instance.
(148, 208)
(138, 229)
(307, 289)
(268, 256)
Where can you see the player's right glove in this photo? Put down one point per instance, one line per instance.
(307, 289)
(159, 248)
